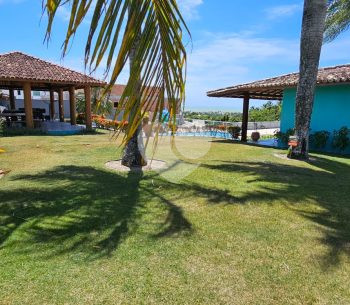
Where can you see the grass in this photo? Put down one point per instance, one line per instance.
(225, 224)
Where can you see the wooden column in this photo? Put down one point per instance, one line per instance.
(72, 104)
(52, 105)
(12, 99)
(88, 121)
(28, 107)
(245, 117)
(60, 105)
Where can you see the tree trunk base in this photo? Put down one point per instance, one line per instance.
(298, 156)
(133, 155)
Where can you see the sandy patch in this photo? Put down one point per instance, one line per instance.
(284, 157)
(153, 165)
(3, 173)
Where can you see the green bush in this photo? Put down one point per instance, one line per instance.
(341, 138)
(17, 131)
(268, 112)
(283, 137)
(81, 118)
(320, 138)
(2, 127)
(23, 131)
(234, 131)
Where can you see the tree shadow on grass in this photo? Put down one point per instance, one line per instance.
(90, 210)
(324, 182)
(77, 208)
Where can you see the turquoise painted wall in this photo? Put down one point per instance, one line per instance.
(331, 109)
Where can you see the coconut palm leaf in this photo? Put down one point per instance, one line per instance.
(338, 18)
(159, 61)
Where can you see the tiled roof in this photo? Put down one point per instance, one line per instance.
(117, 90)
(272, 88)
(16, 66)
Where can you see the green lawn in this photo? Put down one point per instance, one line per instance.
(243, 227)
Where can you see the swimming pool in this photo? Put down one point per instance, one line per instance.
(225, 135)
(208, 134)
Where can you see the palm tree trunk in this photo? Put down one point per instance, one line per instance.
(134, 151)
(310, 49)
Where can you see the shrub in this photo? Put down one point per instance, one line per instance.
(234, 131)
(81, 118)
(22, 131)
(221, 127)
(320, 138)
(103, 123)
(2, 127)
(283, 137)
(341, 138)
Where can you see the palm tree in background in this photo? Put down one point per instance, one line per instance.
(313, 27)
(101, 106)
(148, 34)
(338, 19)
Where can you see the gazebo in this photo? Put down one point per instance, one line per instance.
(270, 89)
(331, 104)
(19, 71)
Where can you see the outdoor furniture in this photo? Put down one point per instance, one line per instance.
(13, 117)
(38, 113)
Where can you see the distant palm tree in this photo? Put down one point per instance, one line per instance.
(148, 33)
(338, 18)
(310, 49)
(99, 106)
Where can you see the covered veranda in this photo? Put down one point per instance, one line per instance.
(269, 89)
(19, 71)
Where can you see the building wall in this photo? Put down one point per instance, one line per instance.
(331, 109)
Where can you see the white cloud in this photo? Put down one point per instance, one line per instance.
(224, 60)
(282, 11)
(189, 8)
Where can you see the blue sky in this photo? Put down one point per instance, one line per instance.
(233, 42)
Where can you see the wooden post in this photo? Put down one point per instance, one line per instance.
(73, 117)
(60, 105)
(28, 107)
(245, 117)
(88, 121)
(12, 99)
(52, 105)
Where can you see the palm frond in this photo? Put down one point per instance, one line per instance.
(149, 31)
(338, 19)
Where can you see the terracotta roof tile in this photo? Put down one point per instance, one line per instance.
(272, 88)
(118, 90)
(19, 66)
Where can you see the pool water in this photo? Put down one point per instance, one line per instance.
(208, 134)
(226, 136)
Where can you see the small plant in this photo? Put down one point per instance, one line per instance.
(103, 123)
(341, 138)
(320, 138)
(234, 131)
(2, 127)
(283, 137)
(81, 118)
(221, 127)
